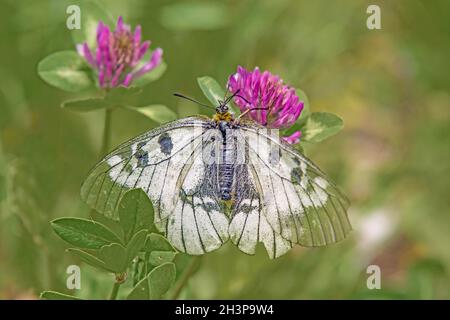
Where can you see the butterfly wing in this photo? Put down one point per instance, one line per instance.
(199, 223)
(167, 163)
(149, 161)
(299, 201)
(249, 224)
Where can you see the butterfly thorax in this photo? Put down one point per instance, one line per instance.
(226, 116)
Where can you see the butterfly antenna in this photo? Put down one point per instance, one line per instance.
(239, 96)
(231, 97)
(251, 109)
(236, 95)
(179, 95)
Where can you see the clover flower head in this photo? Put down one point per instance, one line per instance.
(275, 104)
(118, 55)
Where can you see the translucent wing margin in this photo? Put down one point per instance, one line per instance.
(300, 202)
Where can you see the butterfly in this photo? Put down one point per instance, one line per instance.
(223, 178)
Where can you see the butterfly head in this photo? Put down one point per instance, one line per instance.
(222, 108)
(223, 113)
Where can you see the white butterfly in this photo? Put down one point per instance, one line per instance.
(211, 180)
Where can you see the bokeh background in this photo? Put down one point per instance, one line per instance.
(392, 158)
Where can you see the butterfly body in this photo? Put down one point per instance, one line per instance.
(211, 180)
(224, 121)
(228, 158)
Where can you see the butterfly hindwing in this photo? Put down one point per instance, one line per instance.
(300, 202)
(198, 223)
(249, 225)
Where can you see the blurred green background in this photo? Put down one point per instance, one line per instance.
(392, 158)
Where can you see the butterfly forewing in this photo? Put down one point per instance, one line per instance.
(150, 161)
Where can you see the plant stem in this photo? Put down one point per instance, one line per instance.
(115, 290)
(103, 151)
(186, 276)
(106, 132)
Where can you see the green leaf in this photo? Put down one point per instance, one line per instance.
(83, 233)
(120, 95)
(141, 291)
(214, 92)
(159, 257)
(65, 70)
(115, 257)
(53, 295)
(155, 284)
(91, 15)
(195, 16)
(156, 242)
(161, 279)
(321, 125)
(135, 213)
(116, 97)
(86, 105)
(90, 259)
(157, 112)
(136, 244)
(111, 224)
(211, 89)
(151, 76)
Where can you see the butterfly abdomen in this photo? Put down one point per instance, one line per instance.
(225, 181)
(226, 165)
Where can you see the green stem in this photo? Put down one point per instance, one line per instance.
(186, 276)
(115, 290)
(106, 132)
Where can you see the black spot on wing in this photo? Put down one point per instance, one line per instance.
(296, 175)
(165, 143)
(141, 155)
